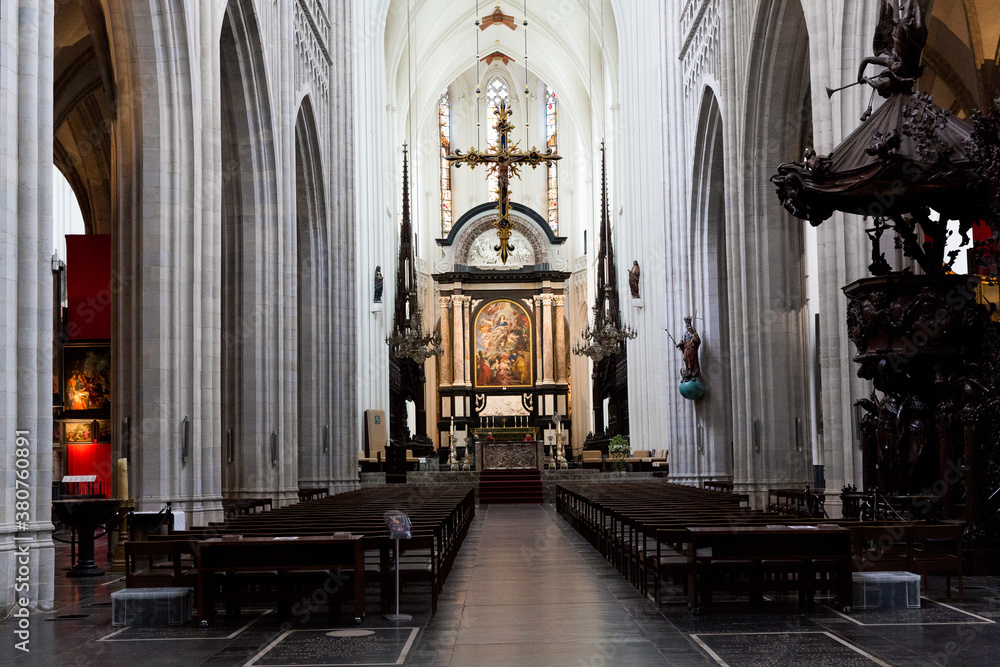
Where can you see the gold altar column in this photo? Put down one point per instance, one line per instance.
(449, 353)
(459, 339)
(547, 338)
(538, 336)
(560, 358)
(467, 340)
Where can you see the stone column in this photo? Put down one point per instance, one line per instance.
(547, 339)
(467, 341)
(446, 359)
(538, 336)
(26, 91)
(458, 332)
(560, 355)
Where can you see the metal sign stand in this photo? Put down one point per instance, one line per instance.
(397, 616)
(399, 527)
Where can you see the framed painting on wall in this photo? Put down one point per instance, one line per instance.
(87, 378)
(76, 431)
(503, 346)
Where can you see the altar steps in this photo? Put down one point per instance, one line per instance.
(510, 486)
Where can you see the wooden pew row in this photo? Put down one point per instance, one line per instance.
(440, 517)
(622, 522)
(644, 529)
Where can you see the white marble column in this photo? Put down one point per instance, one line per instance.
(560, 342)
(347, 309)
(26, 85)
(447, 363)
(538, 336)
(547, 360)
(467, 340)
(458, 332)
(375, 229)
(637, 132)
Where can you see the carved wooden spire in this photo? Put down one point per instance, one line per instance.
(405, 314)
(607, 308)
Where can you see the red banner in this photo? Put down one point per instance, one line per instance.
(88, 286)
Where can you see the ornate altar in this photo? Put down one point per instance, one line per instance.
(502, 307)
(500, 455)
(503, 327)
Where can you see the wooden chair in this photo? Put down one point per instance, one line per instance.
(592, 459)
(412, 460)
(881, 547)
(368, 463)
(641, 459)
(937, 549)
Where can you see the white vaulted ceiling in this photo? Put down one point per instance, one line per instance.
(564, 48)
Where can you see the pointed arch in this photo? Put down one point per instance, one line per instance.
(252, 392)
(771, 333)
(315, 377)
(709, 453)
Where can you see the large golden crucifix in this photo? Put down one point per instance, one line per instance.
(505, 161)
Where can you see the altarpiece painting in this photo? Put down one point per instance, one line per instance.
(503, 346)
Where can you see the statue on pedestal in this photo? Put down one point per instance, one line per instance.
(692, 387)
(689, 344)
(378, 284)
(633, 279)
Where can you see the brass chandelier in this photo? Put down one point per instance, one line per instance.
(604, 338)
(409, 340)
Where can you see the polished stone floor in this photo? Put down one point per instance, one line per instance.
(527, 590)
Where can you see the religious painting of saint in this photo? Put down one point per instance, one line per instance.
(503, 346)
(78, 431)
(87, 378)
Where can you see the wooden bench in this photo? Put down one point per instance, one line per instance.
(796, 502)
(440, 516)
(759, 558)
(269, 570)
(165, 563)
(921, 548)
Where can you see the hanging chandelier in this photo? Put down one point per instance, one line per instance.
(409, 340)
(604, 338)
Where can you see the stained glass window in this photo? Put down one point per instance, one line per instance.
(552, 182)
(495, 92)
(444, 127)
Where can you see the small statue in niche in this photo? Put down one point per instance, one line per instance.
(689, 344)
(378, 284)
(633, 279)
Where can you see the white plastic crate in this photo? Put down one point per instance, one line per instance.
(886, 590)
(152, 607)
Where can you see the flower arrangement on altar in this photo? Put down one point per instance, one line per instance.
(619, 449)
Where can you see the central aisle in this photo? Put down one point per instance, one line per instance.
(527, 590)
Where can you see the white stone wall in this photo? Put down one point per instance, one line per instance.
(726, 50)
(167, 322)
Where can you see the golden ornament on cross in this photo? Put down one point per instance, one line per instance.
(504, 161)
